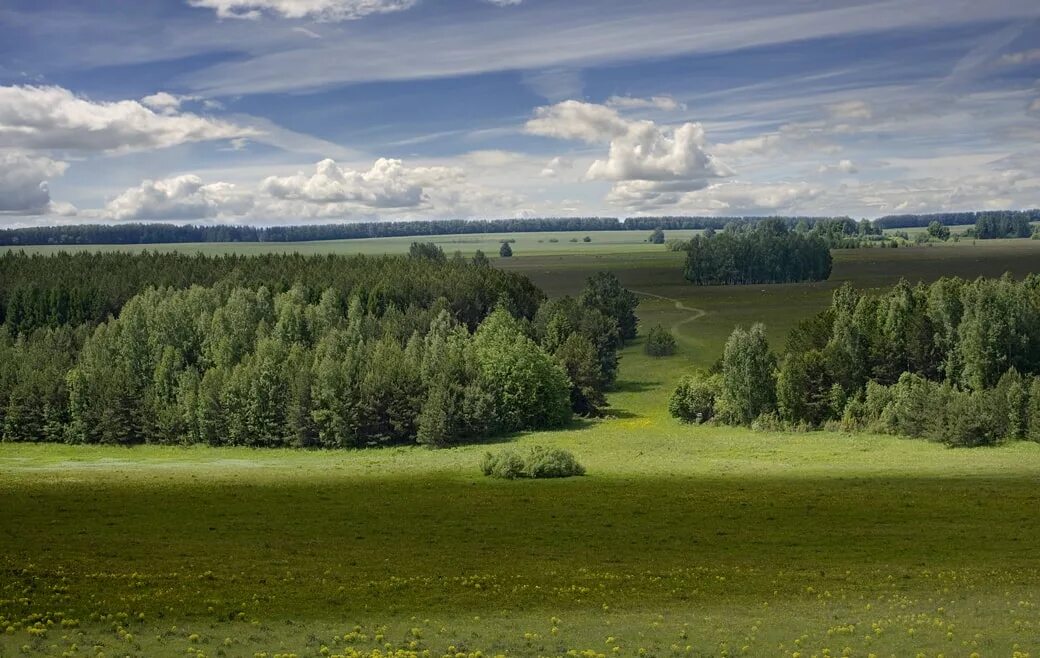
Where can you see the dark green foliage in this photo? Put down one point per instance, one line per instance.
(992, 225)
(767, 253)
(228, 365)
(657, 237)
(693, 400)
(954, 361)
(659, 342)
(938, 231)
(427, 250)
(604, 292)
(538, 462)
(37, 291)
(505, 251)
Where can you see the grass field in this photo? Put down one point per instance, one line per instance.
(601, 242)
(680, 541)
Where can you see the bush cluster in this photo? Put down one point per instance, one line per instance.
(537, 462)
(956, 361)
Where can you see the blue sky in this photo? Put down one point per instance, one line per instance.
(293, 111)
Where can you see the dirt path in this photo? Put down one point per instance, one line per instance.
(695, 313)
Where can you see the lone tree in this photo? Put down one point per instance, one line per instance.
(937, 230)
(659, 342)
(657, 237)
(505, 251)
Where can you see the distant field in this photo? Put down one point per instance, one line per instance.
(680, 541)
(602, 242)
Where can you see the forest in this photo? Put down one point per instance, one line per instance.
(956, 361)
(299, 351)
(764, 252)
(143, 233)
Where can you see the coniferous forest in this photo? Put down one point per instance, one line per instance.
(324, 351)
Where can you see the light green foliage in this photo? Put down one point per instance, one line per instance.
(537, 462)
(747, 388)
(693, 400)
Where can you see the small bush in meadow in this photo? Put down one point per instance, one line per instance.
(507, 465)
(539, 462)
(659, 342)
(694, 398)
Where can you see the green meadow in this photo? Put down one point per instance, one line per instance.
(680, 540)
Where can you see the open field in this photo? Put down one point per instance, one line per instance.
(563, 242)
(680, 541)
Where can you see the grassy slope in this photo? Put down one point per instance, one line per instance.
(720, 540)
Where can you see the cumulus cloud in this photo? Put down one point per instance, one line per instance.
(587, 122)
(55, 118)
(666, 103)
(842, 167)
(179, 197)
(647, 163)
(387, 184)
(24, 183)
(331, 191)
(165, 102)
(652, 153)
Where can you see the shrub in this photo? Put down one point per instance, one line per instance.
(659, 342)
(540, 462)
(694, 399)
(507, 465)
(505, 251)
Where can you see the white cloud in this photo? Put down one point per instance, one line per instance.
(330, 11)
(388, 188)
(851, 110)
(555, 166)
(319, 10)
(715, 199)
(644, 160)
(571, 119)
(649, 152)
(666, 103)
(1035, 106)
(387, 184)
(180, 197)
(843, 167)
(23, 182)
(55, 118)
(164, 102)
(1021, 57)
(759, 145)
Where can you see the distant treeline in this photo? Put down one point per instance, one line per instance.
(956, 361)
(138, 233)
(395, 350)
(764, 252)
(72, 288)
(1002, 217)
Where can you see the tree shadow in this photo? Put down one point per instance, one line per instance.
(632, 386)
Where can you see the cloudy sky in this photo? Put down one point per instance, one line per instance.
(291, 111)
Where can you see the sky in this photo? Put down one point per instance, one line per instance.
(295, 111)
